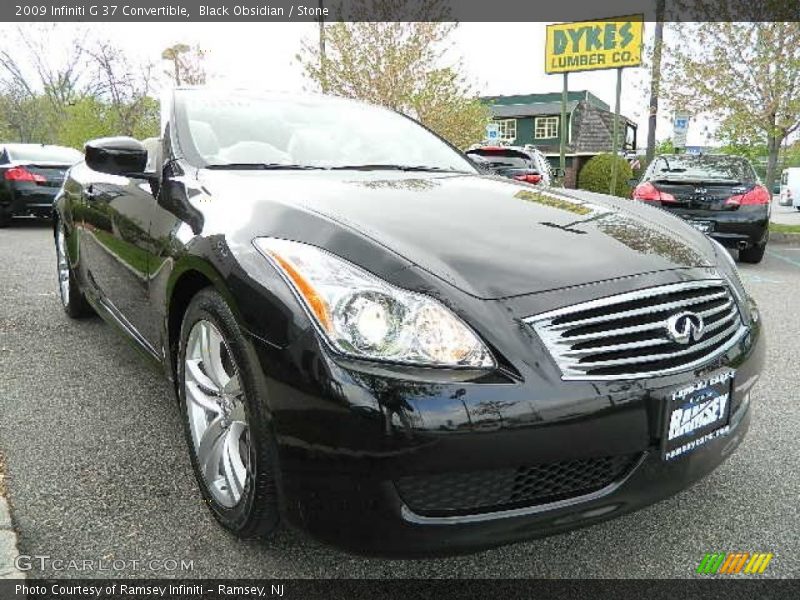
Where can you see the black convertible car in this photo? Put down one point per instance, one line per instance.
(376, 344)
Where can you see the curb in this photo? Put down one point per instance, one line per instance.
(784, 238)
(8, 545)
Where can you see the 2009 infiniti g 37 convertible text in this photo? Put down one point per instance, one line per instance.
(373, 342)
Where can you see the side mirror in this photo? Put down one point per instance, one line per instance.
(116, 156)
(633, 183)
(558, 172)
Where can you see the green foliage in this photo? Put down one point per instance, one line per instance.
(85, 120)
(665, 147)
(744, 72)
(595, 176)
(399, 65)
(89, 88)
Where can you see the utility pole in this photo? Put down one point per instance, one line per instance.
(612, 186)
(562, 159)
(323, 77)
(655, 81)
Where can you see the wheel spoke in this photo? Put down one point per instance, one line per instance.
(233, 469)
(211, 352)
(196, 395)
(209, 450)
(194, 374)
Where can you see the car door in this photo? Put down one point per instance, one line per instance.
(115, 244)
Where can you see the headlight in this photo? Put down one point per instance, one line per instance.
(365, 317)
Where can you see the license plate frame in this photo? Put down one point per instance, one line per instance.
(688, 410)
(702, 226)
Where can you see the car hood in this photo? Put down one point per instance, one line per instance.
(490, 237)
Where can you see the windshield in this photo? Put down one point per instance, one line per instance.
(239, 129)
(705, 168)
(50, 154)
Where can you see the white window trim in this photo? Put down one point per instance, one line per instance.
(503, 125)
(536, 135)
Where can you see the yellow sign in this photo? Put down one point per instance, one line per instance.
(590, 45)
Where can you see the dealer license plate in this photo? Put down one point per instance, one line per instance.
(696, 414)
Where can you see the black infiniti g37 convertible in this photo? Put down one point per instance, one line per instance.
(373, 342)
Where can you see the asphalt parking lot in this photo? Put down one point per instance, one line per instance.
(97, 467)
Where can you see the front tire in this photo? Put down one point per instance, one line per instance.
(752, 255)
(72, 299)
(226, 423)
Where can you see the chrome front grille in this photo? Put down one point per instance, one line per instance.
(626, 336)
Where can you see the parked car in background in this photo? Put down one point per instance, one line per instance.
(372, 341)
(516, 162)
(30, 177)
(719, 195)
(790, 188)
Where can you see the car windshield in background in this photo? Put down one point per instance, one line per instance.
(44, 154)
(243, 131)
(509, 159)
(703, 168)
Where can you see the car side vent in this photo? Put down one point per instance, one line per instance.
(650, 332)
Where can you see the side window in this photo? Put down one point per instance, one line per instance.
(4, 157)
(785, 178)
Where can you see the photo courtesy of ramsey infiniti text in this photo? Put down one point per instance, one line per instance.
(375, 342)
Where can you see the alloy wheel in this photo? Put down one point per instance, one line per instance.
(63, 266)
(216, 413)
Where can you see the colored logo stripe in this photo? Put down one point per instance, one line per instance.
(734, 562)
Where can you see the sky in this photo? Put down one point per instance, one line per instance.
(498, 58)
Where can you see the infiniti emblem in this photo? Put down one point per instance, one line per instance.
(685, 327)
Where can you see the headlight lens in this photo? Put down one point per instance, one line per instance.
(366, 317)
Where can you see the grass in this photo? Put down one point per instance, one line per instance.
(781, 228)
(133, 256)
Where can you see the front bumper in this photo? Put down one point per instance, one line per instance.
(351, 432)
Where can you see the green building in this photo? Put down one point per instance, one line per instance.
(535, 119)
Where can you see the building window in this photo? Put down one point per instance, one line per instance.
(546, 127)
(508, 130)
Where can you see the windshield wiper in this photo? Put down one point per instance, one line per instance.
(261, 167)
(392, 167)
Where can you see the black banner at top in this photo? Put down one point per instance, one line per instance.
(392, 10)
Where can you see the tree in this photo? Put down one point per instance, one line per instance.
(666, 146)
(596, 175)
(125, 87)
(399, 65)
(186, 66)
(747, 74)
(83, 89)
(38, 82)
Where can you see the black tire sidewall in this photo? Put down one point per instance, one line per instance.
(76, 305)
(753, 255)
(256, 514)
